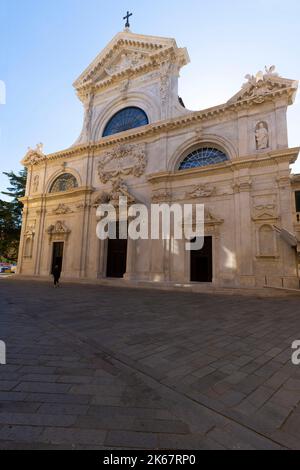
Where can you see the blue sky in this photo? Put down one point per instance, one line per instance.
(45, 45)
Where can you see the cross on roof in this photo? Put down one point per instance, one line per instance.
(127, 25)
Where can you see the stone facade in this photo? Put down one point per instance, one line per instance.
(249, 199)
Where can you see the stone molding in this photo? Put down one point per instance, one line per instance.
(128, 56)
(155, 129)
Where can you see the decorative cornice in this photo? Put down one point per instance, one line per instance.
(121, 43)
(252, 161)
(160, 127)
(295, 180)
(56, 196)
(136, 51)
(155, 60)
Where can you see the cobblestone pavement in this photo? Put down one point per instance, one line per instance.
(107, 368)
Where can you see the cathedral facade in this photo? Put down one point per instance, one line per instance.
(139, 140)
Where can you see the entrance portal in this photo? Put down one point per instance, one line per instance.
(58, 253)
(116, 257)
(202, 263)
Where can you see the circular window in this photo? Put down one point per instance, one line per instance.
(203, 157)
(127, 118)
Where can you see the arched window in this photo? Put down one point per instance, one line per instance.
(202, 157)
(63, 183)
(127, 118)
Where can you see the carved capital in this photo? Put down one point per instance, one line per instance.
(284, 182)
(242, 186)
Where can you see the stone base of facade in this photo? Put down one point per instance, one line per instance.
(206, 288)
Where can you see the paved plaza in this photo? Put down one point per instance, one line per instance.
(93, 367)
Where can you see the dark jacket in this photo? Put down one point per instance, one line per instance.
(56, 272)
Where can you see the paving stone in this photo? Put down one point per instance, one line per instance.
(73, 436)
(42, 370)
(112, 390)
(57, 398)
(113, 411)
(188, 442)
(292, 384)
(260, 396)
(12, 396)
(18, 407)
(269, 418)
(79, 370)
(286, 398)
(132, 440)
(70, 379)
(236, 378)
(236, 437)
(28, 434)
(63, 409)
(232, 398)
(6, 386)
(161, 426)
(41, 387)
(249, 384)
(36, 419)
(40, 378)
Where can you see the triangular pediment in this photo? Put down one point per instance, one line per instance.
(258, 87)
(128, 52)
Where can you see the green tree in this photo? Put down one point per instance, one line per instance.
(11, 215)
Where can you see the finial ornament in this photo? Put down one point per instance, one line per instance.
(127, 25)
(261, 76)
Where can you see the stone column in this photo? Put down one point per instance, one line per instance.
(158, 260)
(131, 256)
(244, 234)
(101, 258)
(21, 247)
(40, 235)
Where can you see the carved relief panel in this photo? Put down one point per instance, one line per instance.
(123, 160)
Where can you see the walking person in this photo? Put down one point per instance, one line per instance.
(56, 275)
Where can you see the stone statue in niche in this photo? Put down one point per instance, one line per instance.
(262, 136)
